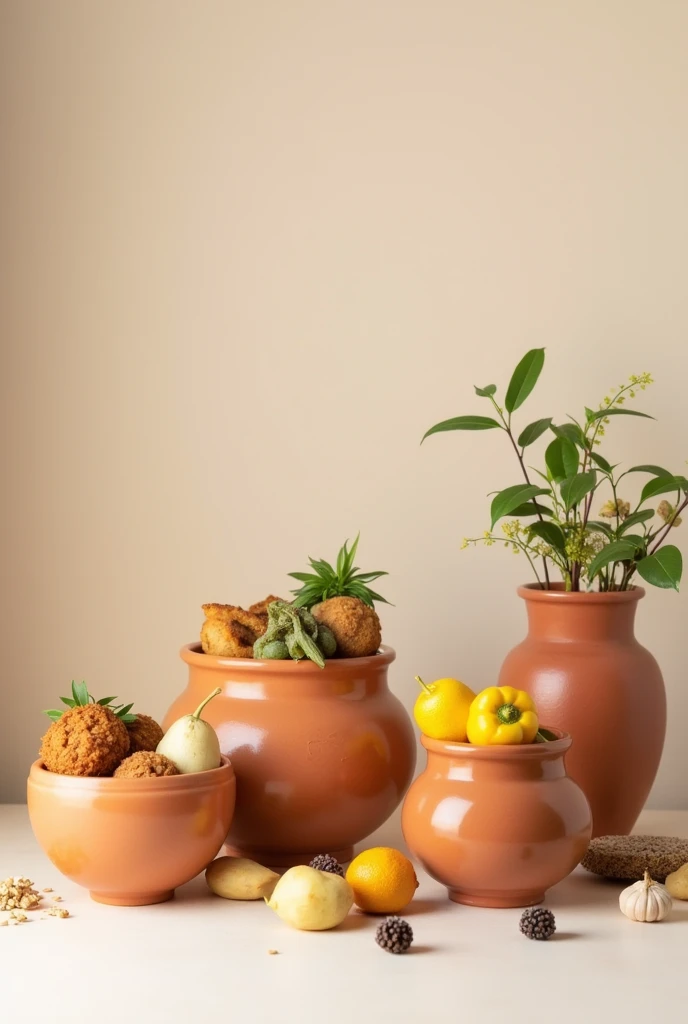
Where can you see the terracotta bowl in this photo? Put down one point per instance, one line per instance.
(497, 825)
(131, 842)
(322, 756)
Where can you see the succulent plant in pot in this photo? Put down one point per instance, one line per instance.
(587, 545)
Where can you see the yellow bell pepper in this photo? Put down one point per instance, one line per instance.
(500, 715)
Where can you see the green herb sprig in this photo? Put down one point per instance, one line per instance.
(81, 697)
(342, 580)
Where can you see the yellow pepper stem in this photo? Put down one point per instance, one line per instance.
(428, 689)
(508, 714)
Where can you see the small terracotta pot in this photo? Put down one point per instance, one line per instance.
(497, 825)
(590, 677)
(322, 756)
(131, 842)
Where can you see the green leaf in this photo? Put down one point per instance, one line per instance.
(576, 487)
(551, 533)
(125, 710)
(589, 413)
(68, 702)
(368, 577)
(635, 518)
(637, 540)
(617, 551)
(545, 736)
(54, 715)
(652, 470)
(600, 461)
(524, 378)
(104, 701)
(533, 431)
(531, 508)
(128, 719)
(571, 431)
(664, 568)
(511, 497)
(601, 414)
(463, 423)
(486, 392)
(80, 693)
(304, 577)
(597, 527)
(561, 457)
(350, 555)
(663, 484)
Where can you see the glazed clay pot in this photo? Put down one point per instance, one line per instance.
(498, 825)
(322, 756)
(590, 677)
(131, 842)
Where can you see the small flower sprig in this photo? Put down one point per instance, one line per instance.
(561, 533)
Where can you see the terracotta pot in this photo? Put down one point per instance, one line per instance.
(131, 842)
(322, 756)
(590, 677)
(497, 825)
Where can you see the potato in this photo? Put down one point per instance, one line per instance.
(311, 900)
(237, 878)
(677, 883)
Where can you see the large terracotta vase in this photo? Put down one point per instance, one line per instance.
(498, 825)
(322, 756)
(590, 677)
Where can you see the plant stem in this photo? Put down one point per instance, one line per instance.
(519, 456)
(197, 712)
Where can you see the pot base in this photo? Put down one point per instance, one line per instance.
(497, 902)
(282, 860)
(132, 899)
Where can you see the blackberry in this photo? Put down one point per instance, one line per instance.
(538, 923)
(394, 935)
(324, 862)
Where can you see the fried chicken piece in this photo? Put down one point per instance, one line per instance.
(227, 639)
(230, 631)
(86, 740)
(355, 625)
(146, 764)
(144, 733)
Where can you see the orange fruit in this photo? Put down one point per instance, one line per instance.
(383, 880)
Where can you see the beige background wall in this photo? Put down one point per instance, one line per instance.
(253, 249)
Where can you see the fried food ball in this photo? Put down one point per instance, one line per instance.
(87, 740)
(355, 625)
(146, 764)
(144, 733)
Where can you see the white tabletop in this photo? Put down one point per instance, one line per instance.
(199, 959)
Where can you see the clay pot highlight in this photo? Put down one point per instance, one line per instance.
(590, 677)
(322, 756)
(131, 842)
(497, 825)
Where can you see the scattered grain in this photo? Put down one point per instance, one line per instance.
(17, 894)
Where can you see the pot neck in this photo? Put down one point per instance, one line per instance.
(464, 763)
(576, 618)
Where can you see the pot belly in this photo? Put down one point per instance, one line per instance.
(611, 699)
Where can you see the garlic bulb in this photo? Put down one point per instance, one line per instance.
(645, 901)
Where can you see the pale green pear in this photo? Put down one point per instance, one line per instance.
(191, 743)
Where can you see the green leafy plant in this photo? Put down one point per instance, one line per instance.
(342, 580)
(80, 697)
(561, 532)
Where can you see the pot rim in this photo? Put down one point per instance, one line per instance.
(187, 783)
(193, 655)
(557, 594)
(507, 751)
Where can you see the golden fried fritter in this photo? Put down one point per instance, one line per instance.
(227, 639)
(86, 740)
(355, 625)
(146, 764)
(144, 733)
(230, 631)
